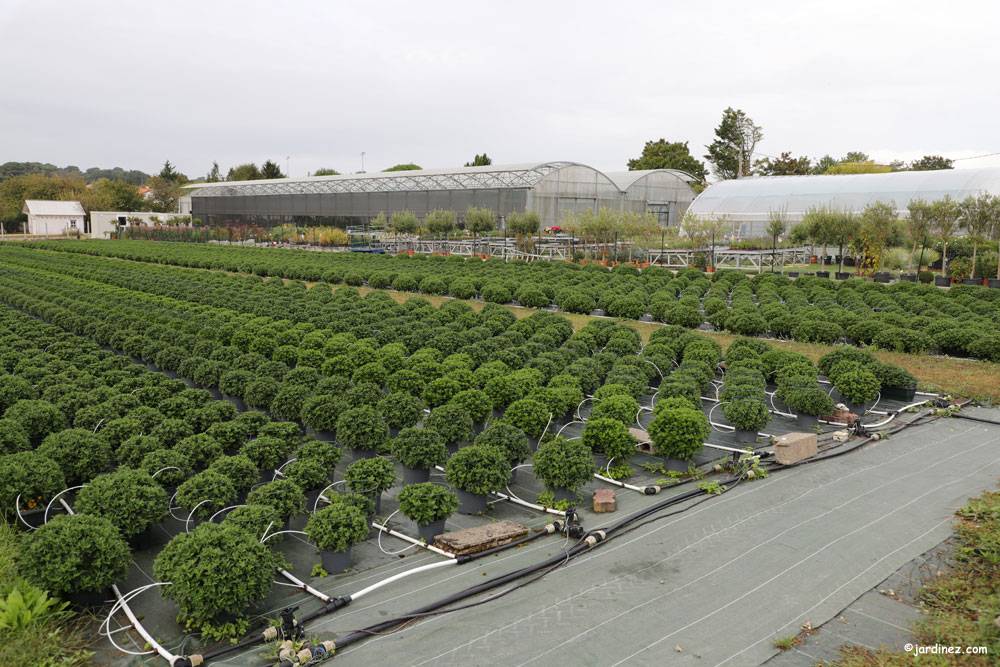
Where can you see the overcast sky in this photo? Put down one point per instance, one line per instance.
(131, 84)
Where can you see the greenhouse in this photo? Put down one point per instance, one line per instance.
(748, 202)
(551, 189)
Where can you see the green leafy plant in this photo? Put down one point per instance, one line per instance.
(255, 519)
(37, 418)
(215, 571)
(13, 437)
(564, 464)
(208, 485)
(427, 502)
(401, 409)
(810, 401)
(678, 432)
(309, 474)
(167, 466)
(238, 469)
(200, 450)
(80, 453)
(325, 453)
(528, 415)
(321, 412)
(478, 469)
(74, 554)
(621, 407)
(25, 605)
(32, 476)
(452, 422)
(371, 476)
(858, 386)
(362, 428)
(508, 438)
(337, 527)
(746, 414)
(476, 403)
(129, 499)
(419, 448)
(283, 495)
(266, 452)
(609, 437)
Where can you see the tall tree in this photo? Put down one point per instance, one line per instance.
(823, 164)
(876, 225)
(270, 169)
(944, 215)
(777, 224)
(918, 224)
(479, 161)
(107, 195)
(324, 171)
(243, 172)
(663, 154)
(783, 165)
(403, 222)
(479, 220)
(976, 216)
(839, 228)
(440, 222)
(523, 224)
(855, 156)
(931, 163)
(214, 175)
(163, 194)
(168, 172)
(408, 166)
(731, 154)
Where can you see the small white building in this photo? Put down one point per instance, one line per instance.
(55, 217)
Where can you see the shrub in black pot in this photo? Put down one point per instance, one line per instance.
(216, 571)
(400, 410)
(239, 470)
(678, 433)
(208, 485)
(129, 499)
(311, 476)
(283, 495)
(13, 437)
(334, 530)
(80, 453)
(475, 402)
(33, 477)
(37, 418)
(325, 453)
(371, 477)
(452, 423)
(611, 438)
(809, 403)
(418, 450)
(429, 506)
(896, 383)
(167, 466)
(256, 519)
(475, 471)
(529, 415)
(363, 430)
(747, 416)
(171, 431)
(512, 441)
(73, 555)
(201, 450)
(266, 452)
(859, 387)
(564, 466)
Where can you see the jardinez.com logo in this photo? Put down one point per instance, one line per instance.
(944, 649)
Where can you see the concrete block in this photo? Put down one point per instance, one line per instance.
(480, 538)
(604, 501)
(794, 447)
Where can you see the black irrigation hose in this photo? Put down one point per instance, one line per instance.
(981, 420)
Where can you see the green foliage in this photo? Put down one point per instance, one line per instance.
(564, 464)
(609, 437)
(80, 453)
(508, 438)
(810, 401)
(663, 154)
(37, 418)
(362, 428)
(452, 422)
(216, 570)
(419, 448)
(427, 502)
(266, 452)
(370, 476)
(400, 409)
(736, 137)
(528, 415)
(325, 453)
(129, 499)
(255, 519)
(238, 469)
(156, 462)
(208, 485)
(746, 414)
(678, 432)
(478, 469)
(309, 474)
(284, 495)
(858, 386)
(31, 475)
(26, 605)
(475, 403)
(337, 527)
(13, 437)
(620, 407)
(200, 450)
(73, 554)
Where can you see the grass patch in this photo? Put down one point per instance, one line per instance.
(787, 643)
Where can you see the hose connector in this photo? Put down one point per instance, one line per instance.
(554, 527)
(651, 490)
(595, 538)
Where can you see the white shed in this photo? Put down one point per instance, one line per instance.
(54, 217)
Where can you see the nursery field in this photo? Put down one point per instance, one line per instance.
(221, 443)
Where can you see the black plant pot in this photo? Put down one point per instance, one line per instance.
(905, 394)
(415, 475)
(842, 275)
(676, 465)
(995, 283)
(560, 493)
(429, 531)
(972, 281)
(89, 599)
(325, 436)
(335, 562)
(35, 517)
(793, 274)
(359, 454)
(941, 281)
(147, 539)
(470, 503)
(311, 498)
(822, 274)
(746, 437)
(908, 277)
(806, 423)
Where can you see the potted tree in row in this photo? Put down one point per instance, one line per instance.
(564, 466)
(678, 432)
(334, 530)
(371, 477)
(418, 450)
(475, 472)
(428, 505)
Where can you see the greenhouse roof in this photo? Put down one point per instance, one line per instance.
(463, 178)
(754, 198)
(625, 179)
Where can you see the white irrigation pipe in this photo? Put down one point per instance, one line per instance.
(320, 495)
(379, 540)
(402, 575)
(187, 523)
(575, 421)
(547, 424)
(45, 517)
(17, 508)
(577, 413)
(104, 629)
(164, 468)
(298, 583)
(412, 540)
(211, 519)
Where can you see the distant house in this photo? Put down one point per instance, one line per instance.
(55, 217)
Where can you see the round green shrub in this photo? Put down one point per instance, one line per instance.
(283, 495)
(255, 519)
(678, 432)
(609, 437)
(80, 453)
(858, 386)
(564, 464)
(216, 571)
(427, 502)
(362, 428)
(200, 450)
(266, 452)
(157, 460)
(130, 499)
(37, 418)
(14, 389)
(476, 403)
(13, 437)
(478, 469)
(419, 448)
(528, 415)
(239, 470)
(321, 412)
(309, 474)
(32, 476)
(171, 431)
(620, 407)
(208, 485)
(337, 527)
(746, 414)
(812, 401)
(74, 554)
(400, 409)
(325, 453)
(452, 422)
(370, 476)
(439, 391)
(496, 292)
(508, 439)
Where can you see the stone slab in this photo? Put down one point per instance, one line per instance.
(480, 538)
